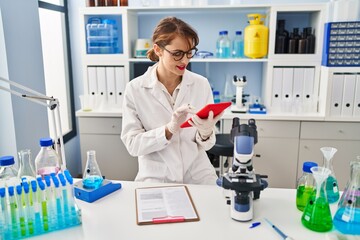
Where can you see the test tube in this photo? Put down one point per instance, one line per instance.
(29, 208)
(36, 205)
(42, 200)
(5, 222)
(20, 207)
(13, 212)
(49, 191)
(65, 199)
(59, 201)
(74, 208)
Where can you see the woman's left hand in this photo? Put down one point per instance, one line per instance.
(205, 127)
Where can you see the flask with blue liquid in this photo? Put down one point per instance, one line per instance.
(92, 177)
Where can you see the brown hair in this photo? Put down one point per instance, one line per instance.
(169, 28)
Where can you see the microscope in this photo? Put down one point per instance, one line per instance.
(239, 106)
(241, 180)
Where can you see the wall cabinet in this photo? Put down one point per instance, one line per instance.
(102, 134)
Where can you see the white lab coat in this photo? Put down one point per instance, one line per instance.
(146, 111)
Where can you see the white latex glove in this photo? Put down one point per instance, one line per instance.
(178, 117)
(205, 127)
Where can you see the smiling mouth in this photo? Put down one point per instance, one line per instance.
(181, 67)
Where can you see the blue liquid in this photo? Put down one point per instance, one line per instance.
(38, 225)
(238, 49)
(332, 190)
(59, 213)
(350, 227)
(92, 182)
(66, 208)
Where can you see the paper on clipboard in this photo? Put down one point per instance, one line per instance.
(164, 205)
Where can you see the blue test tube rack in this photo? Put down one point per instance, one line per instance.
(38, 207)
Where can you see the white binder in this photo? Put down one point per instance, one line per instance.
(348, 95)
(110, 85)
(356, 111)
(119, 84)
(276, 89)
(101, 80)
(298, 83)
(287, 83)
(336, 95)
(92, 82)
(309, 99)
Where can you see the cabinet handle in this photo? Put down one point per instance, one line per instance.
(306, 147)
(113, 126)
(341, 131)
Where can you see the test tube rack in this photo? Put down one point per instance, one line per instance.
(37, 207)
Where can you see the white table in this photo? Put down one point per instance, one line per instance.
(114, 217)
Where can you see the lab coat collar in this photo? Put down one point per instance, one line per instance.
(151, 81)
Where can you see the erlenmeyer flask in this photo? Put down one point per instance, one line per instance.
(347, 216)
(317, 215)
(92, 177)
(332, 189)
(26, 168)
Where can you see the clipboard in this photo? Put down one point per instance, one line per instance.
(168, 204)
(217, 108)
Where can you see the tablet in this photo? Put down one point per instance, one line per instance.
(217, 108)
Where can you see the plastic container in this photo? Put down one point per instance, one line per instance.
(223, 45)
(47, 161)
(256, 37)
(102, 36)
(238, 45)
(305, 186)
(8, 172)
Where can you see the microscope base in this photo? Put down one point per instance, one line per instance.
(236, 109)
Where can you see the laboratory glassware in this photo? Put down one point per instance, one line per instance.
(223, 45)
(26, 169)
(8, 172)
(332, 189)
(92, 177)
(305, 186)
(317, 215)
(347, 216)
(281, 233)
(47, 160)
(238, 45)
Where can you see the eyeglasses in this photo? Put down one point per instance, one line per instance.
(178, 55)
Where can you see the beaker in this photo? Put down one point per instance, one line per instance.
(317, 215)
(229, 89)
(332, 189)
(92, 177)
(347, 216)
(26, 168)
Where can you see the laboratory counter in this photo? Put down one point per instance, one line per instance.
(114, 217)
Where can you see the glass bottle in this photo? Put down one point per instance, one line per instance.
(347, 216)
(310, 47)
(317, 214)
(332, 189)
(8, 172)
(92, 177)
(305, 186)
(26, 169)
(47, 160)
(282, 38)
(238, 45)
(223, 45)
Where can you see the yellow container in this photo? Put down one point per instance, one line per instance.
(256, 37)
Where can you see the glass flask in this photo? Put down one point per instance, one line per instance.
(317, 214)
(92, 177)
(26, 168)
(47, 161)
(8, 172)
(332, 189)
(305, 186)
(347, 216)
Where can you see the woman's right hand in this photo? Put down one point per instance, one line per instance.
(178, 117)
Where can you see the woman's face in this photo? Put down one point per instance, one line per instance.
(174, 57)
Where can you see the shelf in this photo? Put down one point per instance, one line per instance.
(230, 60)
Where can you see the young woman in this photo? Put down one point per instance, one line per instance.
(158, 102)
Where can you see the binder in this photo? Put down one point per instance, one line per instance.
(309, 103)
(92, 82)
(119, 84)
(286, 91)
(348, 95)
(156, 205)
(298, 84)
(356, 111)
(336, 95)
(101, 81)
(110, 85)
(276, 89)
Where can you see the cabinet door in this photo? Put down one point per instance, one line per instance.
(111, 155)
(278, 160)
(347, 152)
